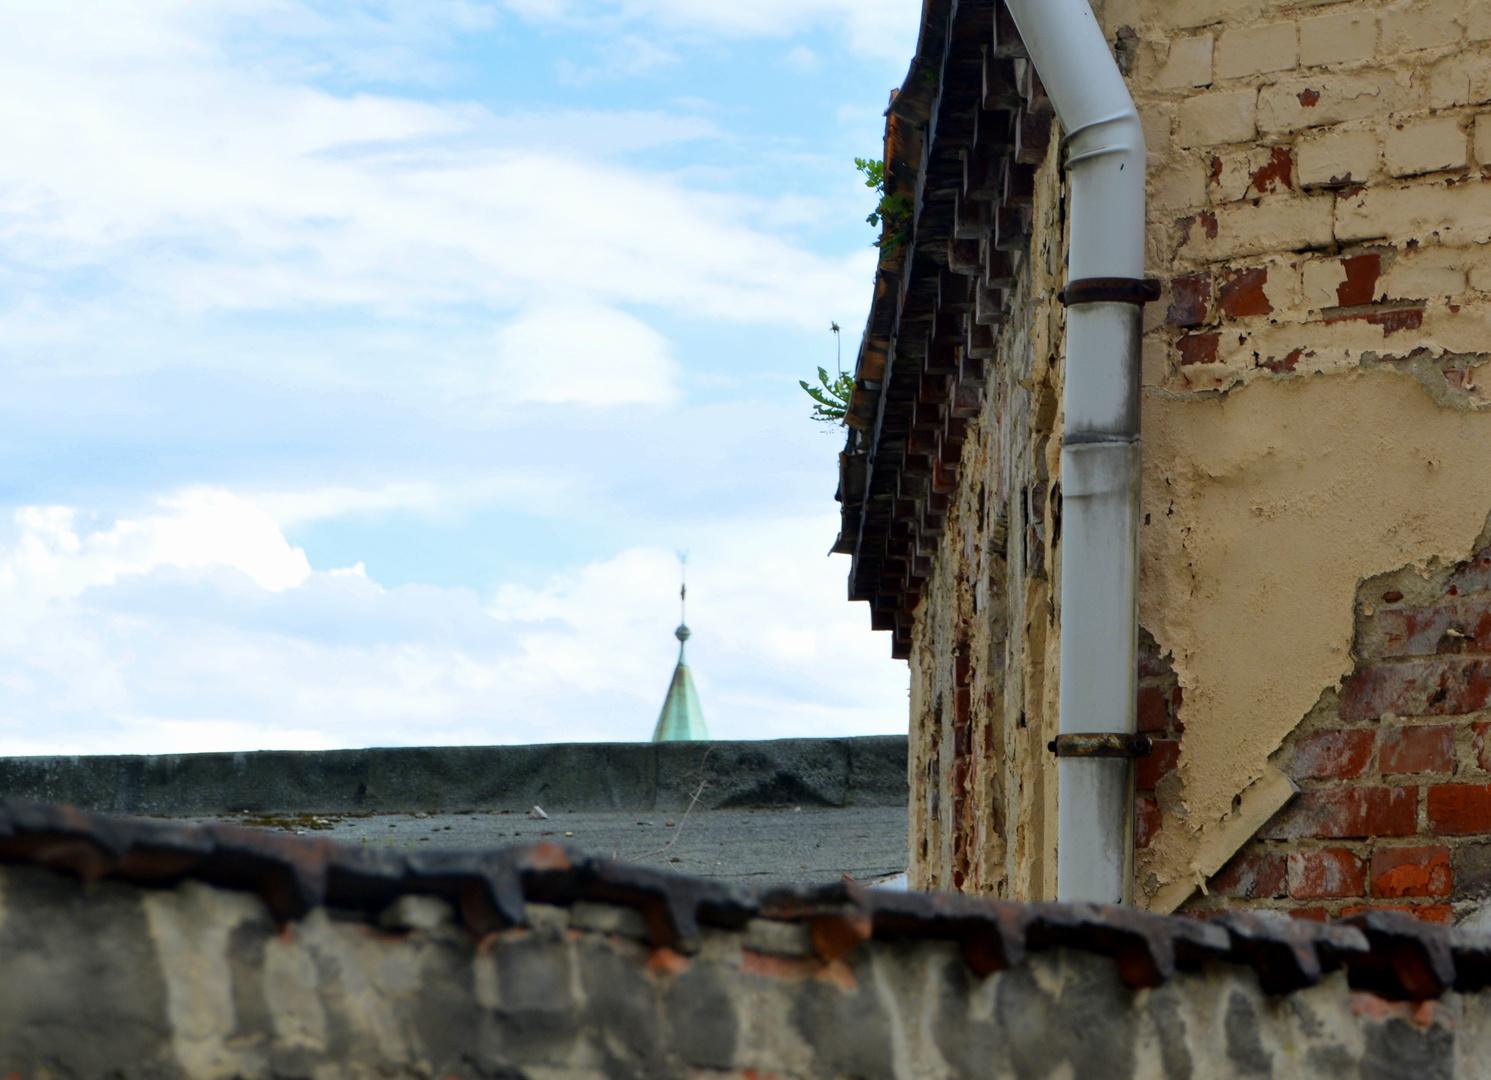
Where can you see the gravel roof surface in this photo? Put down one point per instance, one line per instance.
(806, 846)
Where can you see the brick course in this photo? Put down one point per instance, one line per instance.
(1330, 874)
(1347, 812)
(1421, 749)
(1411, 871)
(1333, 755)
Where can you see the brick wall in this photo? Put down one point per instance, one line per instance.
(1317, 187)
(1394, 772)
(1319, 212)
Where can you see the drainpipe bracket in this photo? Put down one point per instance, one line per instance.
(1110, 290)
(1101, 745)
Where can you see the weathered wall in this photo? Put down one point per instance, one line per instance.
(1314, 419)
(983, 703)
(111, 980)
(1313, 414)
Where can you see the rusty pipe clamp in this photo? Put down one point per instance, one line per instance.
(1104, 745)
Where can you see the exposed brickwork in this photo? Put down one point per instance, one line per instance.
(1159, 701)
(1352, 138)
(1161, 761)
(1333, 755)
(1415, 871)
(1422, 748)
(1253, 876)
(1394, 808)
(1329, 874)
(1347, 813)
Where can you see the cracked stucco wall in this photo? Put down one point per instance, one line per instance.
(1315, 415)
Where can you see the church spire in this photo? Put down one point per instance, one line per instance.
(682, 719)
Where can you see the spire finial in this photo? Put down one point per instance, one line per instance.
(682, 633)
(681, 717)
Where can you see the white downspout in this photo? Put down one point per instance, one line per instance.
(1100, 446)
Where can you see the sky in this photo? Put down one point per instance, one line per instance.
(366, 365)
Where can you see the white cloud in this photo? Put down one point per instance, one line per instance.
(425, 498)
(584, 356)
(133, 148)
(802, 58)
(54, 557)
(880, 28)
(196, 626)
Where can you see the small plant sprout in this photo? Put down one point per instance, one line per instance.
(892, 213)
(831, 396)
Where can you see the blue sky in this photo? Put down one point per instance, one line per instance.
(364, 365)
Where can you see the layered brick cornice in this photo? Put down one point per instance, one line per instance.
(963, 138)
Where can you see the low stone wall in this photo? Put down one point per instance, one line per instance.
(148, 950)
(567, 776)
(114, 980)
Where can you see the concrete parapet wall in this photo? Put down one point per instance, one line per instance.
(569, 776)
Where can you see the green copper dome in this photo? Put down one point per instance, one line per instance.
(682, 719)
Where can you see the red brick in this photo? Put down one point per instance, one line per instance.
(1198, 348)
(1478, 743)
(1361, 280)
(1191, 300)
(1434, 913)
(1279, 170)
(1151, 663)
(1289, 363)
(1473, 575)
(1477, 626)
(1332, 755)
(1422, 748)
(1443, 686)
(1162, 760)
(962, 704)
(1463, 627)
(1415, 871)
(1242, 293)
(1147, 821)
(1347, 812)
(1153, 714)
(1459, 809)
(1326, 875)
(1313, 914)
(1251, 876)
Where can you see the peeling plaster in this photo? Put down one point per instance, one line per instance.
(1264, 508)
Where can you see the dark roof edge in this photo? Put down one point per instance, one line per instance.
(863, 771)
(1388, 953)
(964, 137)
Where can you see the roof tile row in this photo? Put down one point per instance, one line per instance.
(1389, 953)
